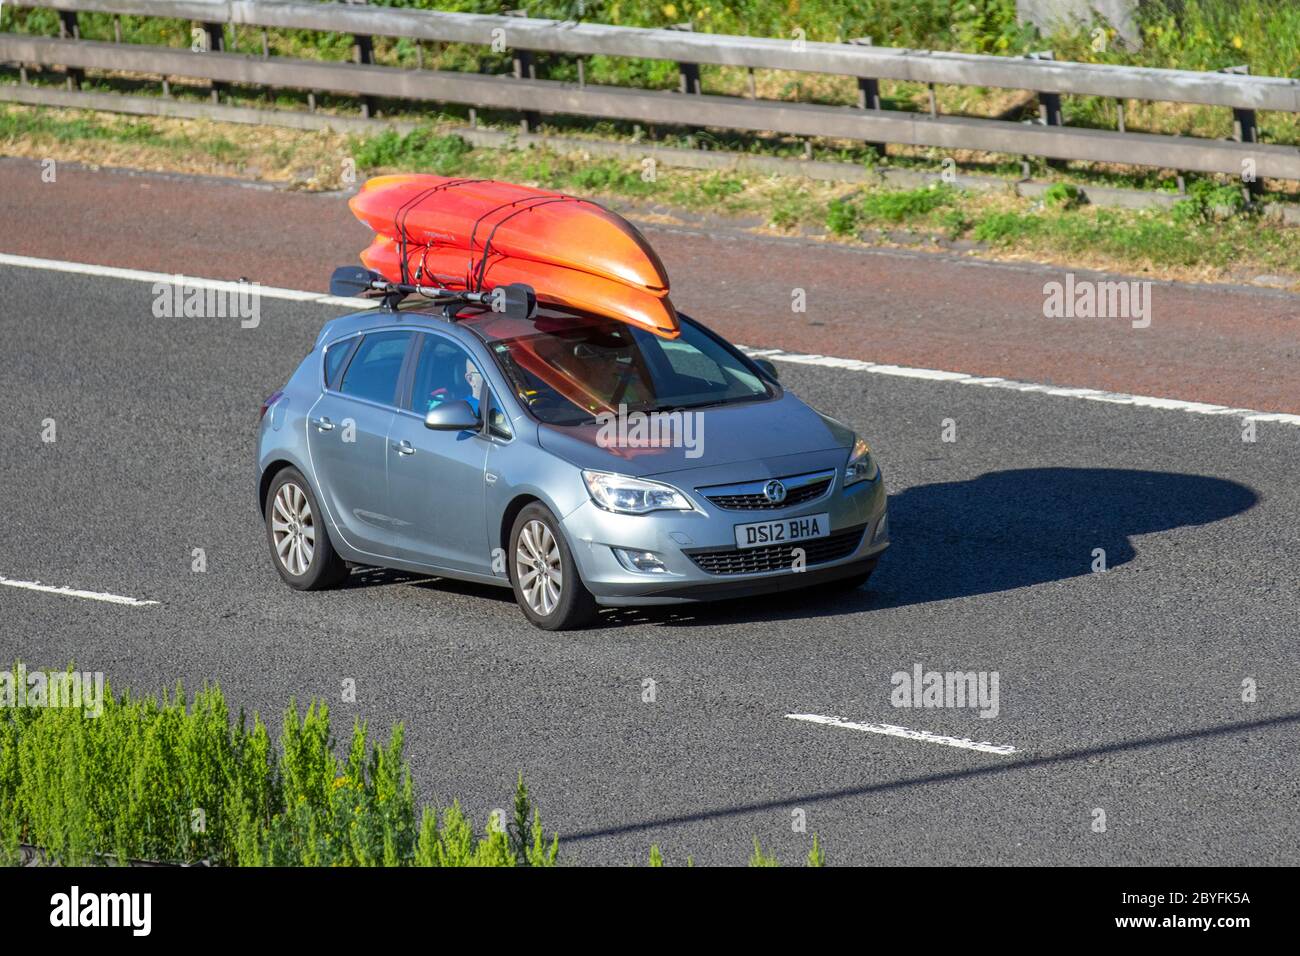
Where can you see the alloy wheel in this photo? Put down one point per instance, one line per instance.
(293, 530)
(541, 578)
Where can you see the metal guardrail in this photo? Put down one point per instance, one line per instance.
(521, 91)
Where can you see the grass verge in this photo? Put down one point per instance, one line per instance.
(1207, 235)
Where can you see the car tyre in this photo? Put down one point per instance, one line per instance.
(544, 575)
(300, 545)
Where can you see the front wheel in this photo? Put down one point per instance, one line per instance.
(295, 530)
(544, 574)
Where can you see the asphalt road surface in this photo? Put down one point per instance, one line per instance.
(1120, 691)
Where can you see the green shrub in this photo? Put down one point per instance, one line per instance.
(716, 186)
(1062, 196)
(898, 206)
(1207, 200)
(182, 782)
(421, 150)
(607, 176)
(842, 216)
(166, 780)
(759, 858)
(1001, 227)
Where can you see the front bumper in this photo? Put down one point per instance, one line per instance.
(689, 542)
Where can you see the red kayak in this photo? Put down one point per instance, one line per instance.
(460, 268)
(517, 222)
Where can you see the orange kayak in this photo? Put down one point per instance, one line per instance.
(515, 221)
(458, 269)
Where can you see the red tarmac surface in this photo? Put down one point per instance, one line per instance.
(1228, 345)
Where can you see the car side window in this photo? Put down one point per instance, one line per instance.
(444, 372)
(335, 358)
(375, 368)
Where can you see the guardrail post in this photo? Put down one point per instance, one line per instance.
(1245, 129)
(869, 94)
(363, 51)
(68, 29)
(1049, 104)
(216, 37)
(690, 72)
(525, 68)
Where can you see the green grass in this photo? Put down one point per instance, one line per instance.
(902, 205)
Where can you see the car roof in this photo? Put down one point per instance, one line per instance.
(418, 313)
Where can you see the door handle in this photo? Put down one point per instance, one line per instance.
(323, 425)
(404, 447)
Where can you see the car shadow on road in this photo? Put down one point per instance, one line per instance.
(1285, 722)
(1003, 530)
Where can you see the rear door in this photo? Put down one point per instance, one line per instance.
(436, 478)
(347, 434)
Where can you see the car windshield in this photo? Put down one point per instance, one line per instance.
(567, 369)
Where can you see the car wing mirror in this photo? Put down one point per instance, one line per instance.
(768, 368)
(452, 417)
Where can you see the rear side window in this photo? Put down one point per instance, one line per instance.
(374, 370)
(335, 358)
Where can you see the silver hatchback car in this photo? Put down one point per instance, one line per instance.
(579, 460)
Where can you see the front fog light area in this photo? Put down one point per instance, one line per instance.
(645, 562)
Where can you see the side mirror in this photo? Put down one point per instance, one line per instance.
(452, 417)
(768, 368)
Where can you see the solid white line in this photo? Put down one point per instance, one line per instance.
(961, 378)
(890, 730)
(193, 282)
(779, 355)
(73, 592)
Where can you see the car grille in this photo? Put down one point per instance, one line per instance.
(777, 557)
(757, 501)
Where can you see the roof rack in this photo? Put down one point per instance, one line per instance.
(515, 300)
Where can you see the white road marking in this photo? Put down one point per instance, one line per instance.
(961, 378)
(890, 730)
(74, 592)
(779, 355)
(194, 282)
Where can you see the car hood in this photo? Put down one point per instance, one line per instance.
(716, 437)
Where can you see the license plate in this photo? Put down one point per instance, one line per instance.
(786, 531)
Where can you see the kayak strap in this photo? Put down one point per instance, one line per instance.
(516, 207)
(404, 210)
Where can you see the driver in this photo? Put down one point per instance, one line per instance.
(465, 385)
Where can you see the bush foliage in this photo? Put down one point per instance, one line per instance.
(180, 781)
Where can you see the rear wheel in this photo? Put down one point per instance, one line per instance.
(295, 530)
(544, 574)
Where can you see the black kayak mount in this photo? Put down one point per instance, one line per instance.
(515, 300)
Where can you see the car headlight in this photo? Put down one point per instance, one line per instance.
(633, 496)
(861, 466)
